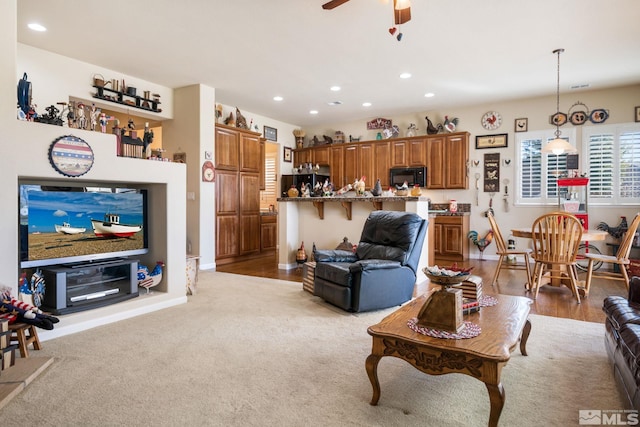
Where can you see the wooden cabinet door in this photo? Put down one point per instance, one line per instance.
(417, 152)
(268, 232)
(336, 163)
(452, 240)
(249, 193)
(321, 156)
(437, 238)
(457, 155)
(366, 164)
(381, 161)
(399, 154)
(249, 234)
(301, 156)
(249, 153)
(350, 154)
(263, 166)
(227, 193)
(227, 227)
(436, 162)
(226, 144)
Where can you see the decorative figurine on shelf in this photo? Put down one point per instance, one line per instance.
(301, 256)
(293, 191)
(450, 125)
(218, 112)
(241, 122)
(147, 138)
(615, 232)
(299, 135)
(431, 129)
(81, 119)
(412, 130)
(104, 119)
(93, 116)
(148, 279)
(230, 121)
(416, 191)
(359, 185)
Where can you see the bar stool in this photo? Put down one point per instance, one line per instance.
(25, 335)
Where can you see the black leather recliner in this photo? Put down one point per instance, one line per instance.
(382, 271)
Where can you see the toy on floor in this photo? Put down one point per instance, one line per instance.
(21, 312)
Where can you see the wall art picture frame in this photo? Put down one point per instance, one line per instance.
(521, 124)
(71, 156)
(491, 141)
(287, 155)
(638, 114)
(270, 133)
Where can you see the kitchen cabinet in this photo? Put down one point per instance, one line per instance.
(268, 232)
(337, 166)
(447, 161)
(240, 164)
(450, 242)
(446, 157)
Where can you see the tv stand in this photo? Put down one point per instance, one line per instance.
(84, 286)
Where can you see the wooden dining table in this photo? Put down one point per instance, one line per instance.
(587, 236)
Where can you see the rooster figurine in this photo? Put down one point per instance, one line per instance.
(450, 125)
(149, 280)
(481, 243)
(615, 232)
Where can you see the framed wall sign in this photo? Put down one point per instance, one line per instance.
(270, 133)
(71, 156)
(287, 155)
(637, 114)
(491, 141)
(521, 125)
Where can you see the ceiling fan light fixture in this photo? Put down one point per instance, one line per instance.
(401, 11)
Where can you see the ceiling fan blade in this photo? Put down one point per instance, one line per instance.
(403, 15)
(333, 3)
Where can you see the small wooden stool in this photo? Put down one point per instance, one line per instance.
(19, 335)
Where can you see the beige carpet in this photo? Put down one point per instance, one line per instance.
(247, 351)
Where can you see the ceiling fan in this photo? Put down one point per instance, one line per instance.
(401, 9)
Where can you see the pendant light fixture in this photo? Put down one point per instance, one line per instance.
(558, 145)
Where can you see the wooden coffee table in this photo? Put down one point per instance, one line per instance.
(482, 357)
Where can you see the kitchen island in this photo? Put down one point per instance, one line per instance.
(325, 221)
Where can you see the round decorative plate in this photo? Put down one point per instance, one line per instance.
(558, 119)
(71, 156)
(578, 117)
(599, 116)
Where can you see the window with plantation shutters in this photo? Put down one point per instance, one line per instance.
(613, 163)
(269, 195)
(537, 172)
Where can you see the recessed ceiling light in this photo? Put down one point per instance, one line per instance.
(313, 112)
(366, 104)
(335, 103)
(580, 86)
(278, 98)
(37, 27)
(429, 95)
(405, 75)
(335, 88)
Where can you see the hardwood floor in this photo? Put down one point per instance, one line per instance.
(551, 301)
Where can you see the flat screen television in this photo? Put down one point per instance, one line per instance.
(77, 224)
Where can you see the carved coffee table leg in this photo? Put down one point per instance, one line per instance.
(497, 398)
(372, 371)
(525, 336)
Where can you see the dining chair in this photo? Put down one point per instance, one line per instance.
(504, 252)
(556, 237)
(621, 259)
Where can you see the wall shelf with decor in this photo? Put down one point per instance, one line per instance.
(124, 98)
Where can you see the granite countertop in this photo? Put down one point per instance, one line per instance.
(442, 209)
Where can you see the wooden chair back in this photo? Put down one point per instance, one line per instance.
(497, 235)
(556, 237)
(625, 247)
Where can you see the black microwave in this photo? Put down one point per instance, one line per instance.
(413, 176)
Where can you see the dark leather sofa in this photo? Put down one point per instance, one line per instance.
(622, 340)
(382, 271)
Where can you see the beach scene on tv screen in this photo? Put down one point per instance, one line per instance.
(67, 223)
